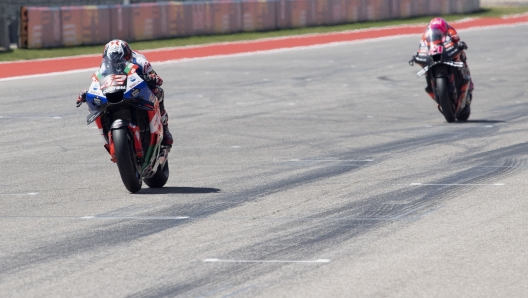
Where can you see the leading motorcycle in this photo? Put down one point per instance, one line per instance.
(127, 115)
(436, 58)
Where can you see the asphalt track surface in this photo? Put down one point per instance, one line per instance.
(320, 172)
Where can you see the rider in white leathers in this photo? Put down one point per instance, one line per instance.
(121, 49)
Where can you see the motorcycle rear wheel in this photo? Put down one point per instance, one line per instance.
(160, 178)
(126, 160)
(443, 97)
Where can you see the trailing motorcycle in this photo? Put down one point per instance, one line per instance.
(128, 117)
(436, 57)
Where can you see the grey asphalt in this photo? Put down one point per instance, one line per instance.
(321, 172)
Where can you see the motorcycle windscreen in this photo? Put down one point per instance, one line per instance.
(435, 36)
(113, 81)
(435, 40)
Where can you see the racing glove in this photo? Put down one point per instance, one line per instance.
(462, 45)
(411, 62)
(81, 98)
(154, 79)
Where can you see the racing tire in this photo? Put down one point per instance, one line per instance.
(443, 97)
(126, 160)
(464, 114)
(160, 178)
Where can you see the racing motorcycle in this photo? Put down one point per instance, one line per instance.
(128, 117)
(436, 58)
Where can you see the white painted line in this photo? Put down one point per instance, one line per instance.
(263, 261)
(334, 160)
(49, 117)
(137, 217)
(470, 184)
(488, 126)
(19, 194)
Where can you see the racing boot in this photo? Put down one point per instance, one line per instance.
(469, 96)
(167, 136)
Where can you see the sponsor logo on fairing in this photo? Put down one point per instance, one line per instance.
(91, 119)
(135, 92)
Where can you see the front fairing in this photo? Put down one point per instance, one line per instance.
(436, 48)
(132, 92)
(133, 88)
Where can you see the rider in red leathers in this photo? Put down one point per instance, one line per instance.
(439, 24)
(121, 48)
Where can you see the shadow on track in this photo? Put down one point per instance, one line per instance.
(180, 190)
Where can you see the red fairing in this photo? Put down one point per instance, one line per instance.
(111, 147)
(137, 139)
(156, 129)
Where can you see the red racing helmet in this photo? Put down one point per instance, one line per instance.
(438, 24)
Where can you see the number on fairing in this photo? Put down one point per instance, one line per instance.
(436, 49)
(114, 80)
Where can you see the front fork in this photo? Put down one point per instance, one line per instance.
(443, 71)
(117, 124)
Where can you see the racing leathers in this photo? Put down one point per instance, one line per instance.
(450, 36)
(154, 82)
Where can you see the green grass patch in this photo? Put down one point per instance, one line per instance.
(27, 54)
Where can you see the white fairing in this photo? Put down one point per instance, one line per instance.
(133, 81)
(95, 88)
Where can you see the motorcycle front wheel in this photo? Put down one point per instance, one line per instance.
(126, 160)
(443, 97)
(464, 114)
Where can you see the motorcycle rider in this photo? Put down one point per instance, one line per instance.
(121, 49)
(450, 35)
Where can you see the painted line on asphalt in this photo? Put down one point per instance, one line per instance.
(19, 194)
(333, 160)
(137, 217)
(456, 184)
(46, 117)
(265, 261)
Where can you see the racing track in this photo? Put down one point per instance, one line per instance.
(305, 173)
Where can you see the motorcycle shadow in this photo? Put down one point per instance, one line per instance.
(178, 190)
(480, 121)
